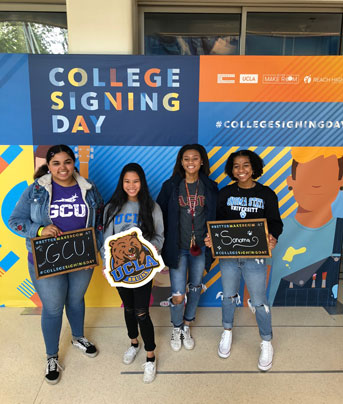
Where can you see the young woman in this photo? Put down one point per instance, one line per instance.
(131, 205)
(59, 200)
(187, 200)
(247, 199)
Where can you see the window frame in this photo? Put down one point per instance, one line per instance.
(22, 7)
(161, 7)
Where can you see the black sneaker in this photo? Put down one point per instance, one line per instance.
(86, 347)
(52, 372)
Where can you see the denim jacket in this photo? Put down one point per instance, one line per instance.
(32, 210)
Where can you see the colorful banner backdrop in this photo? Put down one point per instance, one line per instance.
(270, 100)
(117, 109)
(114, 100)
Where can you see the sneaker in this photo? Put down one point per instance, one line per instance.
(130, 355)
(175, 341)
(224, 348)
(86, 347)
(265, 361)
(52, 371)
(188, 341)
(149, 371)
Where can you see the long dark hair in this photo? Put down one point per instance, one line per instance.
(59, 148)
(146, 203)
(255, 161)
(205, 168)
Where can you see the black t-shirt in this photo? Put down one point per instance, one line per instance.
(235, 203)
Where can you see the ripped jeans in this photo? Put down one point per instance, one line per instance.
(136, 311)
(195, 267)
(254, 273)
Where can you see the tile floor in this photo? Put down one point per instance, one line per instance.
(308, 362)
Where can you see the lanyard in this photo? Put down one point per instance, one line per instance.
(192, 205)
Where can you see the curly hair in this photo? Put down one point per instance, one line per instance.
(205, 167)
(255, 161)
(146, 203)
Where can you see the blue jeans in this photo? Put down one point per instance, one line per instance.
(178, 278)
(254, 273)
(56, 292)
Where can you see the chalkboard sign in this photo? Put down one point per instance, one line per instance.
(72, 251)
(239, 239)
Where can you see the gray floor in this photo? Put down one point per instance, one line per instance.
(308, 361)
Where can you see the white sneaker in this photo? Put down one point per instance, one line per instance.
(224, 348)
(149, 371)
(188, 341)
(175, 341)
(265, 361)
(130, 354)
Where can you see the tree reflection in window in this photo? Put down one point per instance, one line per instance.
(33, 32)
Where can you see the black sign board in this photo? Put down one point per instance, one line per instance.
(239, 238)
(72, 251)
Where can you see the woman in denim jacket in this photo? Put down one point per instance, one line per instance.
(59, 200)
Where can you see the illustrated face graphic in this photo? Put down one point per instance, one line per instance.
(242, 170)
(191, 161)
(61, 167)
(316, 183)
(132, 185)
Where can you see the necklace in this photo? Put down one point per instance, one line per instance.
(192, 204)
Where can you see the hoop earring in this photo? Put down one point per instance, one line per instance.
(290, 188)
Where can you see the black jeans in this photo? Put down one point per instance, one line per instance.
(136, 311)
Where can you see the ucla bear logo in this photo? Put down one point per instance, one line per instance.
(131, 261)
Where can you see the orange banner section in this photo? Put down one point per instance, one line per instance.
(271, 79)
(3, 164)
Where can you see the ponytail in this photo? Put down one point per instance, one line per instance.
(42, 170)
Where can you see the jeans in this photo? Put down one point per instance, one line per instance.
(178, 280)
(254, 272)
(56, 292)
(136, 311)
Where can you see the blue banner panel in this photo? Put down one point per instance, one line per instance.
(15, 107)
(114, 100)
(271, 123)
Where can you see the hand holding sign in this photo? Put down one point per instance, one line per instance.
(271, 241)
(51, 230)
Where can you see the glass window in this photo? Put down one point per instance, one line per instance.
(33, 32)
(191, 34)
(293, 34)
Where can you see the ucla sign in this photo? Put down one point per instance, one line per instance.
(131, 261)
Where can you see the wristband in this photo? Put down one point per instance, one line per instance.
(39, 232)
